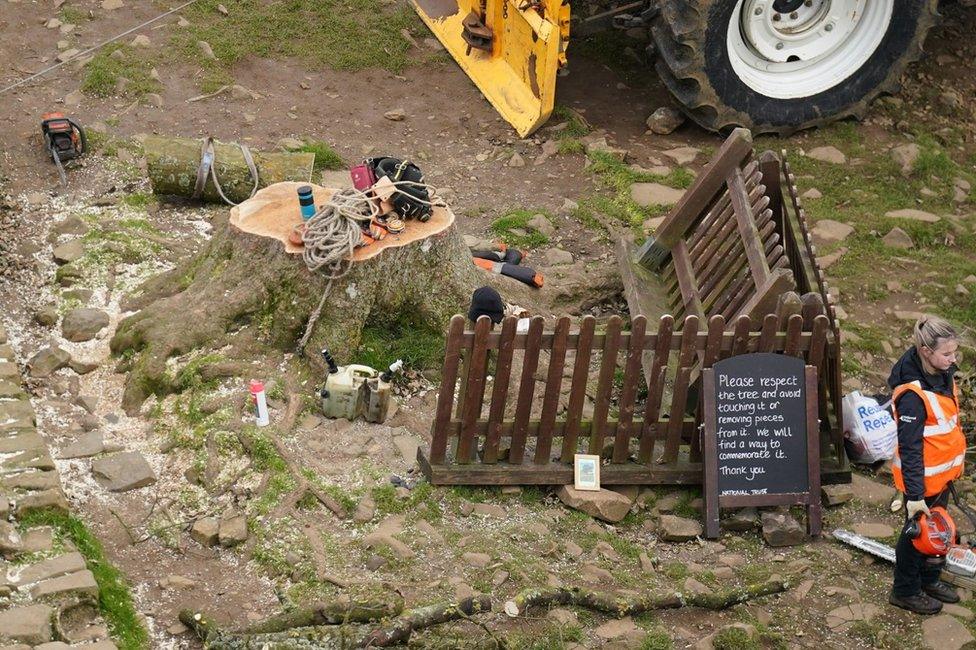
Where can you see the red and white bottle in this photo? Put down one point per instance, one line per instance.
(260, 402)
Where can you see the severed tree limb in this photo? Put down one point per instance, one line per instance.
(330, 613)
(620, 607)
(328, 637)
(399, 630)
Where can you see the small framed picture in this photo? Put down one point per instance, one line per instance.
(587, 472)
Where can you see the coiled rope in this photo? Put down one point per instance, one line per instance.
(334, 231)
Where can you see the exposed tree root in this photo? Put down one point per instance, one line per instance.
(304, 486)
(241, 284)
(620, 607)
(342, 635)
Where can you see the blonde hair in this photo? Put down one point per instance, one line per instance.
(929, 330)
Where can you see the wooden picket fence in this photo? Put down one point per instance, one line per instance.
(651, 437)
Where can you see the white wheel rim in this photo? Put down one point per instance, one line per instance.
(789, 49)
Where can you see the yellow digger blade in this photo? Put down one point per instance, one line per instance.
(518, 74)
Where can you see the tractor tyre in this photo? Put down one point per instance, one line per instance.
(777, 66)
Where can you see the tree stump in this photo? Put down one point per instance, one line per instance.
(243, 286)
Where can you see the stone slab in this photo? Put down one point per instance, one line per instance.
(86, 445)
(21, 441)
(11, 390)
(945, 632)
(42, 500)
(16, 414)
(36, 457)
(121, 472)
(32, 480)
(51, 568)
(31, 624)
(81, 582)
(38, 539)
(9, 370)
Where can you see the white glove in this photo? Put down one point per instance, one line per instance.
(915, 507)
(897, 502)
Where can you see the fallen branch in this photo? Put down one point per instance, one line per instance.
(620, 607)
(329, 613)
(400, 629)
(208, 95)
(343, 635)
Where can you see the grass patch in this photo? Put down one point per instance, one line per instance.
(569, 136)
(754, 573)
(343, 35)
(514, 229)
(470, 493)
(342, 497)
(189, 377)
(111, 244)
(675, 571)
(932, 161)
(72, 15)
(553, 638)
(657, 639)
(139, 200)
(734, 638)
(266, 460)
(400, 334)
(326, 158)
(684, 508)
(114, 597)
(388, 502)
(114, 62)
(617, 177)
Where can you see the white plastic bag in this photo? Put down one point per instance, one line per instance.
(870, 433)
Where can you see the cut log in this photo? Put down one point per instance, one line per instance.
(249, 285)
(173, 162)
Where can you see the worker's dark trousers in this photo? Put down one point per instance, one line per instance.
(911, 569)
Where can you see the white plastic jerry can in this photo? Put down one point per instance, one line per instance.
(344, 392)
(378, 394)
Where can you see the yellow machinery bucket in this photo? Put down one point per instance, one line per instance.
(511, 49)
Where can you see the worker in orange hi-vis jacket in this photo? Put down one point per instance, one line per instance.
(930, 454)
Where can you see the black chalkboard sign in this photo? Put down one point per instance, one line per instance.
(761, 445)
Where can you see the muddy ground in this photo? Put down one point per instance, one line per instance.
(300, 552)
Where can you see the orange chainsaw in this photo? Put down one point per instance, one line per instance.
(933, 535)
(64, 138)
